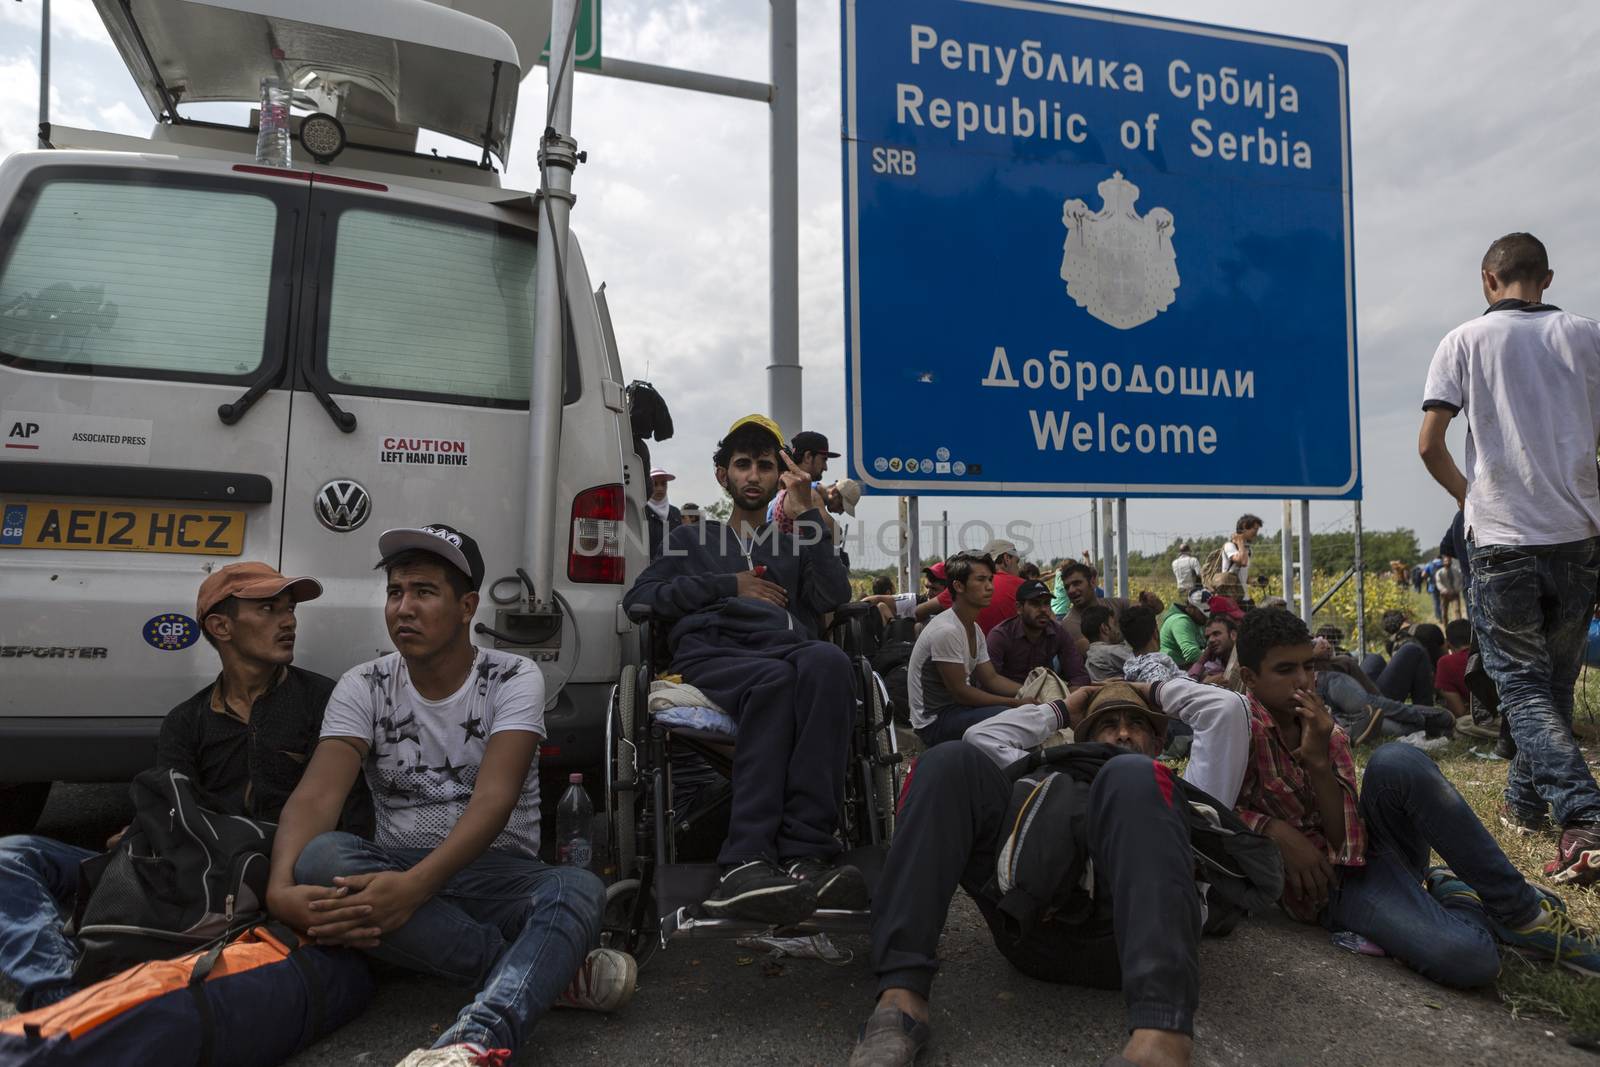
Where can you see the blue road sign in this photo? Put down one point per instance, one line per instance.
(1089, 252)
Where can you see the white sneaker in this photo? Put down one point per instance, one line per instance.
(605, 982)
(462, 1055)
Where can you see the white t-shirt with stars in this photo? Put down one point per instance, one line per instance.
(425, 754)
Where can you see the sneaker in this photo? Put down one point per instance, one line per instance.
(889, 1038)
(462, 1055)
(839, 886)
(1467, 728)
(1523, 825)
(1374, 725)
(1554, 936)
(605, 982)
(1577, 860)
(1445, 887)
(758, 891)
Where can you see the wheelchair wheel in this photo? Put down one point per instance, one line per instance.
(884, 753)
(616, 922)
(623, 796)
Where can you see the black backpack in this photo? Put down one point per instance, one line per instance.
(892, 662)
(1041, 880)
(181, 877)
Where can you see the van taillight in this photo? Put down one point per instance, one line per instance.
(595, 553)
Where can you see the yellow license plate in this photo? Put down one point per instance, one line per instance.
(121, 528)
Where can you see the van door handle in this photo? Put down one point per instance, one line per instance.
(346, 421)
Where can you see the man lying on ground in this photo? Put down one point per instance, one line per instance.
(1357, 859)
(447, 734)
(949, 680)
(1364, 712)
(744, 602)
(1409, 674)
(1145, 928)
(242, 741)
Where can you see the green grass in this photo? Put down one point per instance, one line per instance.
(1534, 988)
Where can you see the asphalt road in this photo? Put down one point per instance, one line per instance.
(1273, 993)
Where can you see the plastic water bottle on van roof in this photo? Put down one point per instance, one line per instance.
(272, 142)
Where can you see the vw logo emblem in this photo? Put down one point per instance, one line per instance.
(342, 505)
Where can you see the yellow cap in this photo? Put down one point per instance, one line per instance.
(761, 421)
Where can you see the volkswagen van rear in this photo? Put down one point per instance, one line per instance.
(204, 358)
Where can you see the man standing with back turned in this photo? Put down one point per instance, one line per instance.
(1526, 375)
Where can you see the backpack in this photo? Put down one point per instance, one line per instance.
(1043, 880)
(891, 662)
(181, 877)
(1211, 569)
(249, 1002)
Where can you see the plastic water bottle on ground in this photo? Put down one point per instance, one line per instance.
(574, 820)
(272, 142)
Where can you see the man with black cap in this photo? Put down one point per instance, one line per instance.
(744, 601)
(1033, 638)
(808, 450)
(447, 734)
(242, 741)
(1142, 929)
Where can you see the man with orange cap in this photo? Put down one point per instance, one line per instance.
(243, 741)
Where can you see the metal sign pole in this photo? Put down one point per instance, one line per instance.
(908, 571)
(944, 532)
(1122, 547)
(1307, 607)
(1103, 570)
(558, 154)
(783, 375)
(1286, 547)
(1094, 532)
(913, 536)
(44, 72)
(1361, 587)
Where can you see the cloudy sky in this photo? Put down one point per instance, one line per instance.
(1467, 122)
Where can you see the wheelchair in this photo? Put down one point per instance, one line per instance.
(668, 797)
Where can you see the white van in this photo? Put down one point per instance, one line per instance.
(204, 360)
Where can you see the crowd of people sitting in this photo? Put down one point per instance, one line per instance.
(1267, 718)
(406, 794)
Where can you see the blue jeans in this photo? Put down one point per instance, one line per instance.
(1531, 611)
(38, 884)
(951, 723)
(1348, 702)
(514, 928)
(1409, 808)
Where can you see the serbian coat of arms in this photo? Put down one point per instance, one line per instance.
(1118, 265)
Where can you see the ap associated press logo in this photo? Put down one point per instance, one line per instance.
(172, 632)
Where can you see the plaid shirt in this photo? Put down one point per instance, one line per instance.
(1276, 786)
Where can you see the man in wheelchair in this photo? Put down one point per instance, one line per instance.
(745, 603)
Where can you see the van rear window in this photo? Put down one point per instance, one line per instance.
(429, 306)
(140, 277)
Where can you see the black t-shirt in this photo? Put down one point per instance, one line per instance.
(251, 768)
